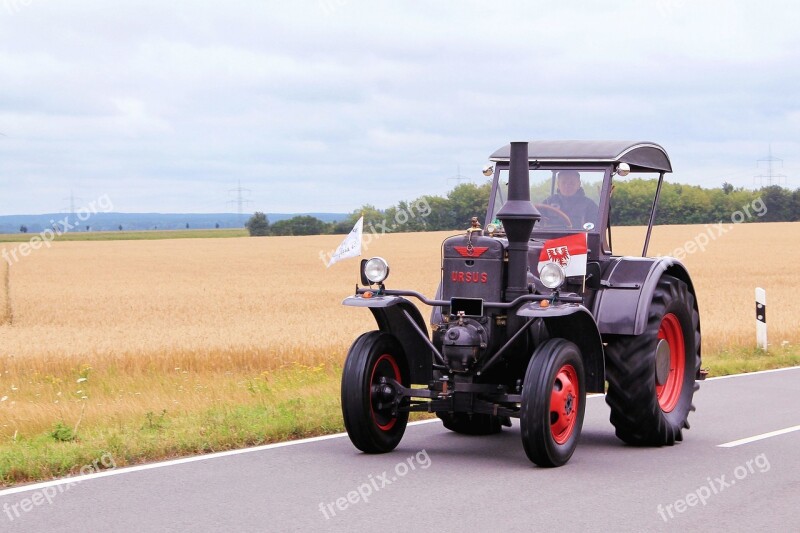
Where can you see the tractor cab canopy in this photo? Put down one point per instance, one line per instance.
(640, 156)
(571, 184)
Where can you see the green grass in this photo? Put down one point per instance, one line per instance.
(271, 416)
(296, 403)
(131, 235)
(164, 435)
(744, 360)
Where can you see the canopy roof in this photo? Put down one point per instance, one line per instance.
(641, 156)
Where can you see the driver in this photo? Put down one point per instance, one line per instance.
(571, 199)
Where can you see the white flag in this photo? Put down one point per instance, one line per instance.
(351, 245)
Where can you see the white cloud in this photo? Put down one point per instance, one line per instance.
(328, 104)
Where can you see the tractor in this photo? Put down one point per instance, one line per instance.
(533, 312)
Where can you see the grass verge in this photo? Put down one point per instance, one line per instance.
(293, 403)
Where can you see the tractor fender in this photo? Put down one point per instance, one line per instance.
(390, 315)
(627, 286)
(575, 323)
(373, 302)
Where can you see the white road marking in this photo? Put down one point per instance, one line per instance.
(729, 376)
(754, 438)
(184, 460)
(174, 462)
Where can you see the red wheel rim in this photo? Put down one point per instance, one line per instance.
(670, 392)
(564, 404)
(386, 367)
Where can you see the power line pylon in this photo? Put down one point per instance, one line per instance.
(770, 178)
(240, 201)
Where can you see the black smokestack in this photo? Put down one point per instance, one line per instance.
(518, 217)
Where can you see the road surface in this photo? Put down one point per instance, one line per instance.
(738, 469)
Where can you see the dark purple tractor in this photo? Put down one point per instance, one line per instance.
(533, 312)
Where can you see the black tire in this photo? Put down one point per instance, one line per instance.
(373, 355)
(550, 420)
(644, 412)
(471, 424)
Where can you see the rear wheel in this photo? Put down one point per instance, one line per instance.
(651, 377)
(371, 419)
(553, 403)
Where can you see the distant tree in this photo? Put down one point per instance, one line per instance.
(406, 217)
(216, 225)
(727, 188)
(469, 200)
(23, 229)
(187, 225)
(796, 205)
(372, 217)
(258, 225)
(299, 225)
(779, 203)
(344, 226)
(87, 228)
(441, 216)
(120, 227)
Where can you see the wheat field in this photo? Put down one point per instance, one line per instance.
(101, 331)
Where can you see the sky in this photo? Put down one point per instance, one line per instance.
(326, 105)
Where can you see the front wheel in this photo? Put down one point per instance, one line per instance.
(553, 403)
(371, 418)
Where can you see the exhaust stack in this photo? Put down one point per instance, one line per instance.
(518, 217)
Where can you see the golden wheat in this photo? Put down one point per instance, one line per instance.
(728, 271)
(5, 280)
(106, 330)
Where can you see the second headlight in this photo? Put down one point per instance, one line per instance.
(552, 275)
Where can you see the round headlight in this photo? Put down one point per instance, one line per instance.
(376, 270)
(552, 275)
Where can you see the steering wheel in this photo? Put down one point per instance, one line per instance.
(553, 217)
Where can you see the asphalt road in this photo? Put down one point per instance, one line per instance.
(440, 481)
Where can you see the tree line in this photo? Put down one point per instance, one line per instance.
(692, 204)
(630, 206)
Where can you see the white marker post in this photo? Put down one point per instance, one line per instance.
(761, 318)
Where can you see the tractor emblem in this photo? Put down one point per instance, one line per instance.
(471, 251)
(559, 254)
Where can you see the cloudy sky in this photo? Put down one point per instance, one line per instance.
(324, 105)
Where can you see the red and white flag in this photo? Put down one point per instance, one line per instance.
(569, 252)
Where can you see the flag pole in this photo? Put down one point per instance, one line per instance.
(361, 253)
